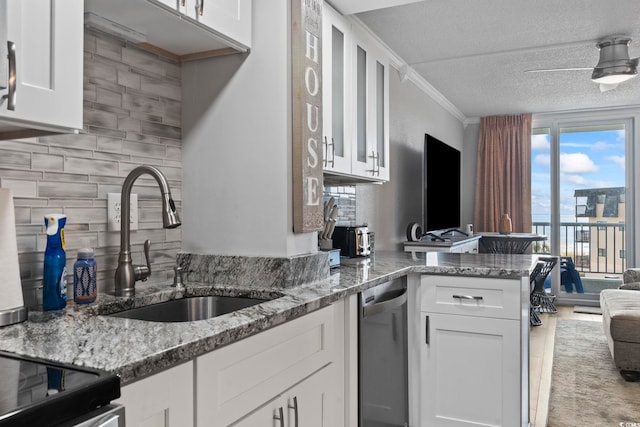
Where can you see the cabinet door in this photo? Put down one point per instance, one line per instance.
(469, 371)
(336, 67)
(379, 120)
(236, 379)
(162, 400)
(180, 6)
(48, 37)
(370, 136)
(312, 401)
(231, 18)
(307, 404)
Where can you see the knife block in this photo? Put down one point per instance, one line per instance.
(325, 244)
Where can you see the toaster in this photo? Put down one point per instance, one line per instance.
(353, 241)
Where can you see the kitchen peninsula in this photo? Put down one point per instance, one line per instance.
(138, 350)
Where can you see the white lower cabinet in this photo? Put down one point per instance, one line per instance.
(299, 362)
(298, 366)
(306, 404)
(470, 373)
(162, 400)
(473, 345)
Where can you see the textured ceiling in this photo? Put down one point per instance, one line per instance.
(476, 52)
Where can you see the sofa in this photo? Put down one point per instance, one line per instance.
(621, 321)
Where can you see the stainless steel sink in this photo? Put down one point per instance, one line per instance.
(189, 309)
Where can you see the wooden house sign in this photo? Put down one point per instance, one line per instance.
(306, 58)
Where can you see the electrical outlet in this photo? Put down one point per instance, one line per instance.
(113, 211)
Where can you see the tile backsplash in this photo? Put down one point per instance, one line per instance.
(345, 198)
(132, 116)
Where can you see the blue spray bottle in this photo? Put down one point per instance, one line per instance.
(54, 280)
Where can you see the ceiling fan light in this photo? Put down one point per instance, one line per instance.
(614, 65)
(612, 76)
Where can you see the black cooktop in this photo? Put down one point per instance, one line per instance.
(41, 393)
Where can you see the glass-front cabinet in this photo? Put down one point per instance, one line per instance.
(371, 94)
(356, 101)
(336, 68)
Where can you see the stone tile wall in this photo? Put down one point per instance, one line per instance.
(132, 116)
(345, 197)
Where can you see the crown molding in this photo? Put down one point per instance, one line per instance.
(408, 73)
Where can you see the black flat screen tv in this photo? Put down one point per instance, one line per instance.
(441, 196)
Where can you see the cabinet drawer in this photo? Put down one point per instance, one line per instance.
(235, 380)
(472, 296)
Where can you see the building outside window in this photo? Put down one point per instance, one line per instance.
(578, 184)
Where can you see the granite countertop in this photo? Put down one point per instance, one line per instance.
(83, 336)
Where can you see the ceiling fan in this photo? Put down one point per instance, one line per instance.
(614, 66)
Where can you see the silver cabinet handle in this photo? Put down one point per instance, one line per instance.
(295, 410)
(333, 153)
(201, 8)
(280, 416)
(375, 164)
(325, 160)
(11, 96)
(476, 298)
(373, 157)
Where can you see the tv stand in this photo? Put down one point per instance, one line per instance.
(452, 230)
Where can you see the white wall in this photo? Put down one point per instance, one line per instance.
(469, 159)
(237, 151)
(390, 207)
(237, 147)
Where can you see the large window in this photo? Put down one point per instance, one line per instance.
(578, 187)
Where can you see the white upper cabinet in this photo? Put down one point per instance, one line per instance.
(371, 94)
(355, 102)
(231, 18)
(336, 69)
(44, 86)
(185, 29)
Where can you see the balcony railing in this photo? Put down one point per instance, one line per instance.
(597, 248)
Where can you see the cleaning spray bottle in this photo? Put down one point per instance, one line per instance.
(54, 280)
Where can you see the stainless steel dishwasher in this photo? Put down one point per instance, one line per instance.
(383, 359)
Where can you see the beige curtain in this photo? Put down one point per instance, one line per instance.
(503, 174)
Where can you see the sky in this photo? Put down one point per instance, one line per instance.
(590, 159)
